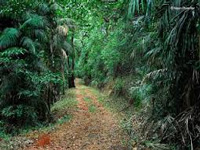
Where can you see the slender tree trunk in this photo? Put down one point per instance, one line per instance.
(71, 78)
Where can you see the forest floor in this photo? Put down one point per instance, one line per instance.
(92, 127)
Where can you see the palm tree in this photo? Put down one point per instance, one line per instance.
(67, 51)
(178, 71)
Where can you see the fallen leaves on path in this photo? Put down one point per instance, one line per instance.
(43, 140)
(87, 130)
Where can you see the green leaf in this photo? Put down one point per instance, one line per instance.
(9, 37)
(12, 51)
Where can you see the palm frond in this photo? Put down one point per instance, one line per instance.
(131, 8)
(64, 54)
(67, 47)
(9, 37)
(28, 44)
(43, 9)
(34, 21)
(155, 74)
(153, 53)
(139, 6)
(40, 34)
(57, 40)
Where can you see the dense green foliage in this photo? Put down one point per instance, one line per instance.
(33, 61)
(151, 53)
(147, 50)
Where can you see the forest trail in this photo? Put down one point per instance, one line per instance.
(92, 127)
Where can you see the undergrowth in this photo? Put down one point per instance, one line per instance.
(65, 104)
(60, 114)
(133, 119)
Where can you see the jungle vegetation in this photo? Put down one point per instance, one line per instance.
(147, 50)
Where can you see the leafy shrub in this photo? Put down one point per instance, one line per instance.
(31, 78)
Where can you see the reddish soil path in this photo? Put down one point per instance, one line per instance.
(95, 129)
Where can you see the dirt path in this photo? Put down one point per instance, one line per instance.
(92, 127)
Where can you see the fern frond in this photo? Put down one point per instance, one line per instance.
(9, 37)
(12, 52)
(28, 44)
(6, 57)
(35, 21)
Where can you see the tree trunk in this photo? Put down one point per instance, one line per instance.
(71, 82)
(71, 78)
